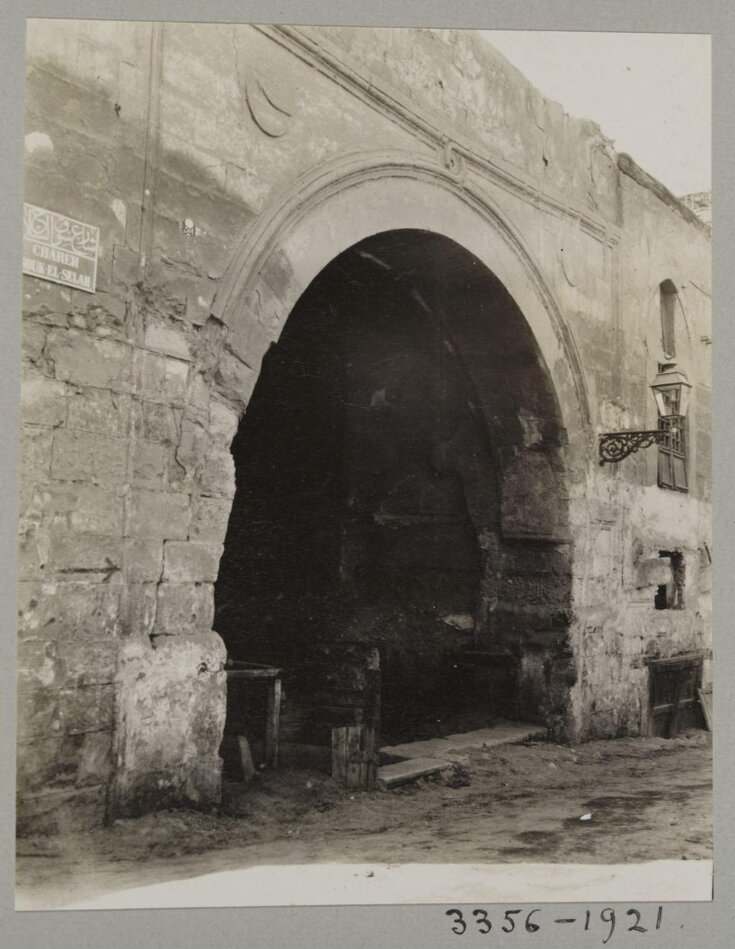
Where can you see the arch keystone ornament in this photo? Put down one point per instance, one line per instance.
(453, 160)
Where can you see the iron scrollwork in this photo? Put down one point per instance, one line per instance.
(615, 446)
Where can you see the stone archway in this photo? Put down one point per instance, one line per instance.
(339, 206)
(346, 201)
(525, 577)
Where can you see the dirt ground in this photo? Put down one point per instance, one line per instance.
(648, 798)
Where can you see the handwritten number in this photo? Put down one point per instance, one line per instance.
(607, 915)
(635, 928)
(458, 921)
(482, 920)
(610, 918)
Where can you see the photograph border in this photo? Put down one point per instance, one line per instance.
(689, 924)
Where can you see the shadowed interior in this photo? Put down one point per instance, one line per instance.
(398, 483)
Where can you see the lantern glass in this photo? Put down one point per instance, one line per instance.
(671, 391)
(660, 401)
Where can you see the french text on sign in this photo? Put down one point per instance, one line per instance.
(59, 248)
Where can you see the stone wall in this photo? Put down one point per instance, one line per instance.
(199, 151)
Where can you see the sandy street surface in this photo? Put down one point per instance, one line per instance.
(649, 799)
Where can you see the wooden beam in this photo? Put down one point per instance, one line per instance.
(273, 724)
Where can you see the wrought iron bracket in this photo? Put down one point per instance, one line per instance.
(614, 446)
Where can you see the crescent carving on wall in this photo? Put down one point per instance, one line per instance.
(271, 118)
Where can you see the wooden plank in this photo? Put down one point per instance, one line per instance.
(268, 673)
(354, 762)
(370, 758)
(673, 725)
(244, 664)
(705, 699)
(272, 725)
(354, 769)
(393, 775)
(339, 754)
(246, 759)
(685, 659)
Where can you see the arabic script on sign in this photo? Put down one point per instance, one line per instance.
(59, 248)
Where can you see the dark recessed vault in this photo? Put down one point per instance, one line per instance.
(400, 482)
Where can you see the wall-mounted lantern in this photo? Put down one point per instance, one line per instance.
(671, 391)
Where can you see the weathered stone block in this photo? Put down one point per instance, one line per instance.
(106, 313)
(654, 571)
(173, 286)
(38, 666)
(39, 714)
(95, 759)
(133, 90)
(33, 339)
(249, 339)
(42, 297)
(209, 518)
(61, 811)
(198, 396)
(155, 421)
(185, 191)
(184, 608)
(530, 497)
(87, 663)
(170, 719)
(41, 764)
(157, 514)
(142, 559)
(278, 272)
(79, 507)
(33, 552)
(247, 186)
(138, 609)
(191, 452)
(211, 336)
(234, 380)
(217, 477)
(84, 456)
(87, 708)
(223, 422)
(35, 453)
(151, 461)
(540, 591)
(165, 339)
(81, 556)
(125, 265)
(189, 560)
(50, 610)
(99, 410)
(90, 361)
(68, 761)
(533, 558)
(160, 378)
(43, 401)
